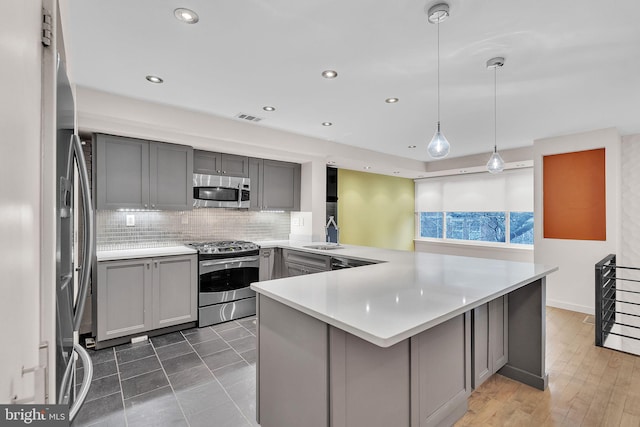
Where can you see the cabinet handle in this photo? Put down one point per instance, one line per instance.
(153, 206)
(218, 171)
(147, 266)
(156, 263)
(224, 172)
(145, 205)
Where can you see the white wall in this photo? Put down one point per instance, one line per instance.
(572, 287)
(630, 213)
(20, 195)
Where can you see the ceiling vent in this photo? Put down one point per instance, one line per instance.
(248, 117)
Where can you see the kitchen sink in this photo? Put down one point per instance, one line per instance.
(324, 247)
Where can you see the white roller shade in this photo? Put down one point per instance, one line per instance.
(481, 192)
(429, 196)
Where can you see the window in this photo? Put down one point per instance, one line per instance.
(521, 228)
(479, 207)
(479, 226)
(431, 224)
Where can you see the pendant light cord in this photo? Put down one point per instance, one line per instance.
(438, 25)
(495, 109)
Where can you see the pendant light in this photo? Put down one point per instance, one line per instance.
(439, 146)
(495, 163)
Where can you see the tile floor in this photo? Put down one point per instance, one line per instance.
(196, 377)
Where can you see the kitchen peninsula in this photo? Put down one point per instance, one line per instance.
(400, 343)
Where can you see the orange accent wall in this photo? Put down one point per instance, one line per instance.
(574, 195)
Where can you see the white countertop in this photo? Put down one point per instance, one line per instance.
(144, 253)
(406, 294)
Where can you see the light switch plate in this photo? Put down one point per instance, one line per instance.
(131, 220)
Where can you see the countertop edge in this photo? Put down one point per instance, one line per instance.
(124, 254)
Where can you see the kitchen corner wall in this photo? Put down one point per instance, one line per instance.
(166, 228)
(630, 223)
(572, 286)
(376, 210)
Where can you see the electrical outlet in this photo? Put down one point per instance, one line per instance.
(131, 220)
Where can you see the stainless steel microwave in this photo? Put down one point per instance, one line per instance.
(215, 191)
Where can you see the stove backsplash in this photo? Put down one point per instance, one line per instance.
(167, 228)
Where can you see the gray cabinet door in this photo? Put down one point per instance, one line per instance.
(297, 263)
(490, 339)
(122, 173)
(233, 165)
(280, 186)
(211, 163)
(124, 298)
(255, 178)
(175, 290)
(441, 372)
(266, 264)
(207, 162)
(170, 177)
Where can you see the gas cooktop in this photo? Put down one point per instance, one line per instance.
(224, 247)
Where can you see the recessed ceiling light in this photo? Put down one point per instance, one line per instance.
(329, 74)
(331, 162)
(154, 79)
(411, 146)
(396, 172)
(367, 168)
(269, 108)
(391, 100)
(187, 16)
(327, 124)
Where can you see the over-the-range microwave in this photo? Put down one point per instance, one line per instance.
(215, 191)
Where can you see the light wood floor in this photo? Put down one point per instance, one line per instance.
(588, 385)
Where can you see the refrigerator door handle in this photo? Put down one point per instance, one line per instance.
(86, 381)
(75, 149)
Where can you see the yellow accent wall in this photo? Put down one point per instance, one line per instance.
(376, 210)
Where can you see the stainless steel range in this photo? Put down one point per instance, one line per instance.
(226, 269)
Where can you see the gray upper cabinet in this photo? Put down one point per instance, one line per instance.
(274, 185)
(210, 163)
(170, 187)
(122, 173)
(136, 174)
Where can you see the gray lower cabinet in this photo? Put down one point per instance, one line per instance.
(136, 174)
(328, 377)
(139, 295)
(211, 163)
(298, 263)
(267, 264)
(274, 185)
(490, 339)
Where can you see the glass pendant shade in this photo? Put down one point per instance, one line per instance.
(439, 146)
(495, 163)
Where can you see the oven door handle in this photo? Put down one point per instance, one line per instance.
(229, 261)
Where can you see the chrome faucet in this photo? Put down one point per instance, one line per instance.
(326, 230)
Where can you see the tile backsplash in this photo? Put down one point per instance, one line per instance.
(166, 228)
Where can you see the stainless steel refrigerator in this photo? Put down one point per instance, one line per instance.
(71, 288)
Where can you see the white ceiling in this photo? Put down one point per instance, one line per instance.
(571, 66)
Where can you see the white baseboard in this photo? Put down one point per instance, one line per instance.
(571, 307)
